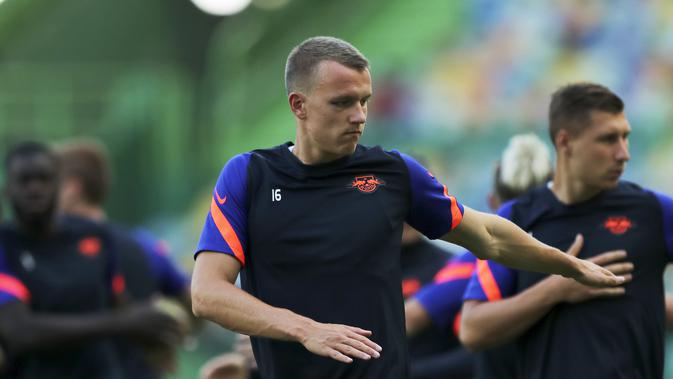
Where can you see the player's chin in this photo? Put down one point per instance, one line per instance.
(611, 181)
(348, 146)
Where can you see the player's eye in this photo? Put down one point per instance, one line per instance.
(342, 103)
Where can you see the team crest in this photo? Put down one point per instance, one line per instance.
(618, 224)
(89, 246)
(367, 183)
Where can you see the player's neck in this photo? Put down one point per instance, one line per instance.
(311, 155)
(36, 227)
(87, 211)
(569, 189)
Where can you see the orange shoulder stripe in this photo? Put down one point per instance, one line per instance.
(487, 281)
(456, 215)
(227, 231)
(14, 287)
(454, 271)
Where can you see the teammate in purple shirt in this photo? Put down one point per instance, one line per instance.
(524, 164)
(143, 260)
(563, 329)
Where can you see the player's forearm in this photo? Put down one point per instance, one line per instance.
(236, 310)
(489, 324)
(509, 245)
(24, 331)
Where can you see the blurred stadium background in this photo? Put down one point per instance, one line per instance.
(174, 91)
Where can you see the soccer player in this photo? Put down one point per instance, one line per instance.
(56, 283)
(524, 164)
(314, 227)
(619, 333)
(147, 270)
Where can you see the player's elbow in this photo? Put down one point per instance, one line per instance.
(471, 333)
(199, 301)
(470, 339)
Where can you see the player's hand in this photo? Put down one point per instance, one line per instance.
(145, 323)
(590, 273)
(340, 342)
(573, 292)
(225, 366)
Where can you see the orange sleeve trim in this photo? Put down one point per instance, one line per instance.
(487, 281)
(454, 271)
(227, 231)
(456, 324)
(14, 287)
(456, 215)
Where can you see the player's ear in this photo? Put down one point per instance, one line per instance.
(562, 141)
(297, 104)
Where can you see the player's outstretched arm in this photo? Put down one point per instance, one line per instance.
(487, 324)
(215, 297)
(495, 238)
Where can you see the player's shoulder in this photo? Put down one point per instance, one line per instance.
(628, 192)
(274, 152)
(536, 198)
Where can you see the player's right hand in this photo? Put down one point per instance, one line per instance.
(340, 342)
(613, 261)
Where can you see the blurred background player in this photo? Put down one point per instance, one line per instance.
(143, 260)
(524, 164)
(619, 333)
(420, 262)
(58, 283)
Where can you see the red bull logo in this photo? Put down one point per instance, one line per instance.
(367, 183)
(618, 224)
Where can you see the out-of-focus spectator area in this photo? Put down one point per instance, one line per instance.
(174, 92)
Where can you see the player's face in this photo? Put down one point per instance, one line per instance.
(599, 153)
(336, 108)
(32, 185)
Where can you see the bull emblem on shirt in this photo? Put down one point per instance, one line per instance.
(367, 183)
(618, 224)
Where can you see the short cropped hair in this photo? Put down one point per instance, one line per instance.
(305, 57)
(29, 149)
(571, 106)
(86, 161)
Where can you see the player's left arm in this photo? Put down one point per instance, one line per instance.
(435, 213)
(498, 239)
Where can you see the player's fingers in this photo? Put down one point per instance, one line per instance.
(575, 248)
(609, 292)
(607, 278)
(359, 345)
(338, 356)
(620, 268)
(607, 257)
(366, 341)
(359, 330)
(350, 351)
